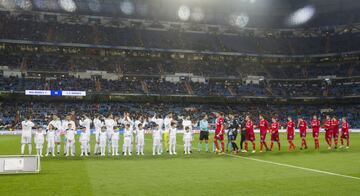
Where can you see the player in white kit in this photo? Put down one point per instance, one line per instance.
(84, 141)
(115, 141)
(50, 138)
(157, 133)
(110, 123)
(102, 140)
(56, 123)
(39, 141)
(26, 134)
(70, 140)
(65, 125)
(127, 140)
(140, 139)
(86, 122)
(172, 136)
(98, 123)
(187, 140)
(157, 119)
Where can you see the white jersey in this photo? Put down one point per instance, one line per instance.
(110, 124)
(97, 125)
(136, 124)
(157, 133)
(87, 124)
(127, 133)
(102, 137)
(158, 121)
(84, 137)
(187, 136)
(56, 124)
(140, 133)
(27, 128)
(115, 136)
(65, 124)
(70, 134)
(173, 132)
(39, 137)
(187, 123)
(50, 136)
(167, 124)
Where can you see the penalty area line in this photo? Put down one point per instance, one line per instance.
(295, 167)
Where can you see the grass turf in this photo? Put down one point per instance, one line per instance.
(196, 174)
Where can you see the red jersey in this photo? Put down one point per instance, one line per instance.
(335, 125)
(302, 126)
(249, 126)
(263, 126)
(345, 127)
(219, 124)
(315, 125)
(275, 128)
(290, 127)
(327, 125)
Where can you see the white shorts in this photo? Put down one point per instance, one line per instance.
(26, 139)
(127, 141)
(156, 141)
(97, 134)
(51, 143)
(187, 143)
(39, 145)
(140, 141)
(115, 143)
(102, 143)
(57, 138)
(172, 140)
(108, 135)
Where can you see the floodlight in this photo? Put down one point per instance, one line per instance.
(184, 13)
(67, 5)
(301, 15)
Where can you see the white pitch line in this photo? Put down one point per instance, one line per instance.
(287, 165)
(296, 167)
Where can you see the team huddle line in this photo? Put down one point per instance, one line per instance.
(164, 134)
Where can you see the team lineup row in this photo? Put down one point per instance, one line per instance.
(164, 132)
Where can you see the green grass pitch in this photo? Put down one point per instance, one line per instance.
(196, 174)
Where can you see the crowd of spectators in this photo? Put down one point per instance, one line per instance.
(156, 85)
(13, 28)
(167, 66)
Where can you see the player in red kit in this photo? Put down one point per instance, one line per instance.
(302, 128)
(250, 135)
(315, 125)
(290, 133)
(328, 131)
(344, 132)
(263, 126)
(219, 132)
(274, 133)
(335, 130)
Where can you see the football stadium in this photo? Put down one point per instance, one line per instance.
(179, 97)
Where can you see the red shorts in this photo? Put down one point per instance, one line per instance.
(345, 135)
(290, 137)
(250, 136)
(220, 137)
(335, 134)
(262, 137)
(315, 134)
(275, 137)
(328, 134)
(303, 134)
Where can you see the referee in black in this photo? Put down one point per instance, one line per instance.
(233, 131)
(242, 131)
